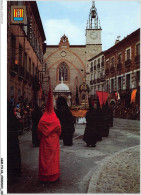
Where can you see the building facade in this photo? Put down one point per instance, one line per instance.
(117, 69)
(97, 73)
(122, 67)
(71, 61)
(25, 49)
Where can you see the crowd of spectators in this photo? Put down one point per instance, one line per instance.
(23, 111)
(132, 112)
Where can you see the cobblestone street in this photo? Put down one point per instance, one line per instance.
(111, 167)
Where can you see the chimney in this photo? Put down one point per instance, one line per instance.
(117, 40)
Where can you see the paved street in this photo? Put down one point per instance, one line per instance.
(85, 169)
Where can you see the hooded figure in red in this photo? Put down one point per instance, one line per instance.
(49, 130)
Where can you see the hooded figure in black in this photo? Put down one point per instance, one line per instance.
(13, 150)
(110, 113)
(36, 115)
(92, 134)
(105, 113)
(99, 120)
(67, 121)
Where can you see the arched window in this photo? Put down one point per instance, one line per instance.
(63, 71)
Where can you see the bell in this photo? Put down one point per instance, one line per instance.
(93, 14)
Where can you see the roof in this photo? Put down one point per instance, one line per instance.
(135, 33)
(61, 87)
(101, 53)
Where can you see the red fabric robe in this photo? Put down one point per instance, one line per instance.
(49, 130)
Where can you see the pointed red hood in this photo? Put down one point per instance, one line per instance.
(49, 120)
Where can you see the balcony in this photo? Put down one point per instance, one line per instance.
(107, 71)
(128, 63)
(119, 66)
(98, 80)
(98, 65)
(14, 70)
(21, 72)
(112, 69)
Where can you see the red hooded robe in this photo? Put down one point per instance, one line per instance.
(49, 130)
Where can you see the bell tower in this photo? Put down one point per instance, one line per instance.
(93, 33)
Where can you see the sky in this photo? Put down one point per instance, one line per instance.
(117, 18)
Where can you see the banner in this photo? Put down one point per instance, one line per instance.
(133, 95)
(102, 96)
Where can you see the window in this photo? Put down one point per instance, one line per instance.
(107, 85)
(112, 62)
(63, 72)
(112, 85)
(98, 65)
(102, 62)
(119, 83)
(137, 78)
(107, 64)
(95, 65)
(128, 55)
(138, 49)
(119, 58)
(128, 81)
(91, 66)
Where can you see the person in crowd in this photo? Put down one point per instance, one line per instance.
(13, 149)
(36, 115)
(49, 130)
(67, 121)
(12, 101)
(105, 113)
(17, 113)
(92, 134)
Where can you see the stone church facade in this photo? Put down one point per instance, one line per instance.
(71, 61)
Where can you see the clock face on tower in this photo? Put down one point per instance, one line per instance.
(93, 35)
